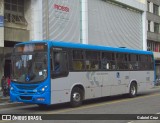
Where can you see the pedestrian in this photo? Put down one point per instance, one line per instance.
(2, 82)
(4, 86)
(8, 84)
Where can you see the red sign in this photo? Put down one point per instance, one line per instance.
(62, 8)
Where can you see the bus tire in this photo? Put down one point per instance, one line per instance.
(133, 90)
(76, 97)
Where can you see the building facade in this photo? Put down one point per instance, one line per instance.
(153, 30)
(19, 22)
(118, 23)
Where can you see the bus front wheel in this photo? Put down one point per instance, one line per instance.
(133, 90)
(76, 97)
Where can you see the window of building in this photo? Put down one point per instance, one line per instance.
(156, 27)
(14, 6)
(148, 6)
(149, 26)
(14, 11)
(153, 46)
(155, 9)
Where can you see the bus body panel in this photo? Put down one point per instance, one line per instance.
(99, 84)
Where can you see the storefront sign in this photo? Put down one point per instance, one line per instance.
(61, 8)
(1, 21)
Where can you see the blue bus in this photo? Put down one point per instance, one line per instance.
(52, 72)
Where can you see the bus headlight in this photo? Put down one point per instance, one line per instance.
(43, 88)
(11, 88)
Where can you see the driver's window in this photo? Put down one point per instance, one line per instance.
(57, 62)
(60, 64)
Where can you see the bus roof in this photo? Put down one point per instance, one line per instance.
(89, 47)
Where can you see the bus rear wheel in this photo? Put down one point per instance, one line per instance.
(76, 97)
(133, 90)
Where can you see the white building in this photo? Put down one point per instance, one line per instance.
(121, 23)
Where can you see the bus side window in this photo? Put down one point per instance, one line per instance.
(92, 60)
(77, 63)
(60, 64)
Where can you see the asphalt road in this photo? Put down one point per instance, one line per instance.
(145, 103)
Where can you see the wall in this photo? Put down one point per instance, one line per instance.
(138, 4)
(112, 25)
(15, 34)
(61, 20)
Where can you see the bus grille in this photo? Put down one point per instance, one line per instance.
(26, 97)
(26, 87)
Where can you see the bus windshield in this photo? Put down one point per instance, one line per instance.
(29, 67)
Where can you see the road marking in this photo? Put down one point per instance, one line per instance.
(131, 122)
(98, 105)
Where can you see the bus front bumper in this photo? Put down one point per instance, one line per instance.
(32, 99)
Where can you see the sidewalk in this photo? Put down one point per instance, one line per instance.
(3, 100)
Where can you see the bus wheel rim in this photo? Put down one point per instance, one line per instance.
(133, 90)
(76, 97)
